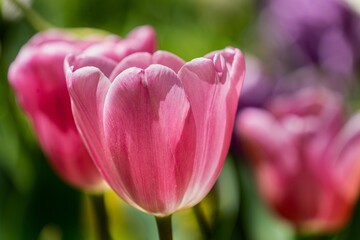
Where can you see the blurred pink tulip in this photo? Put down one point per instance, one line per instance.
(306, 160)
(158, 128)
(37, 76)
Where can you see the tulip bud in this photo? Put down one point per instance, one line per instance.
(38, 78)
(306, 160)
(158, 128)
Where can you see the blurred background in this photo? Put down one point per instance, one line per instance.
(287, 44)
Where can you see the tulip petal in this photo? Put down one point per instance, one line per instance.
(143, 39)
(213, 94)
(345, 157)
(271, 149)
(151, 137)
(144, 59)
(88, 87)
(37, 76)
(40, 84)
(235, 59)
(168, 59)
(50, 37)
(140, 60)
(107, 49)
(105, 65)
(67, 153)
(257, 127)
(310, 102)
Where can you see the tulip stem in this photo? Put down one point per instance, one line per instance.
(241, 225)
(35, 20)
(203, 223)
(164, 227)
(101, 217)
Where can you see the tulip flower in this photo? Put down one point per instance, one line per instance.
(305, 158)
(158, 128)
(302, 36)
(39, 82)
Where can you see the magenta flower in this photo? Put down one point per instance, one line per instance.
(306, 159)
(158, 128)
(38, 79)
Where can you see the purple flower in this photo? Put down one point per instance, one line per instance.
(322, 32)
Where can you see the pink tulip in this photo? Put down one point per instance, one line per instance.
(306, 159)
(38, 79)
(158, 128)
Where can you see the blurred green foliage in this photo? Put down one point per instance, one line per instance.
(36, 204)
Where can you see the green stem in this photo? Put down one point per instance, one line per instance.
(201, 219)
(36, 21)
(101, 220)
(164, 227)
(241, 224)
